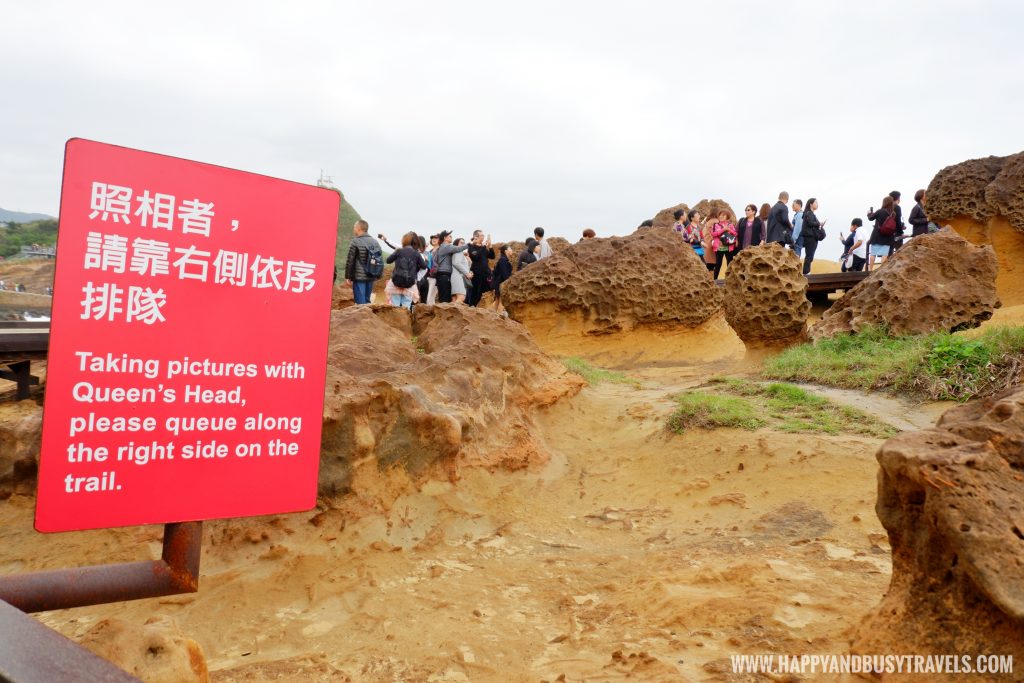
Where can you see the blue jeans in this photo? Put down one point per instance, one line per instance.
(401, 300)
(361, 290)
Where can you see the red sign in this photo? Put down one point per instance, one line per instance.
(188, 342)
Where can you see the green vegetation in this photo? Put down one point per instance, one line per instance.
(940, 366)
(597, 375)
(18, 235)
(786, 407)
(347, 216)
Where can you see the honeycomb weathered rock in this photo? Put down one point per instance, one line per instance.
(766, 295)
(951, 500)
(936, 282)
(980, 189)
(619, 283)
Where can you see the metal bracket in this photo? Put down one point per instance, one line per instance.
(176, 572)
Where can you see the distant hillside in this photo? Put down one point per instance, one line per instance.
(17, 235)
(19, 217)
(347, 216)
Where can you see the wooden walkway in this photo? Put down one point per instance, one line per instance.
(20, 344)
(825, 283)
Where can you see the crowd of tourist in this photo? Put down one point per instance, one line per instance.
(717, 240)
(440, 269)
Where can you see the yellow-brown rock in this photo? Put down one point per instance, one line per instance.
(156, 652)
(766, 295)
(431, 391)
(983, 200)
(20, 431)
(936, 282)
(951, 500)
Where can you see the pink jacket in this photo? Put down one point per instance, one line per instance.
(720, 229)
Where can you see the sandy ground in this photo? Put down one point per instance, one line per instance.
(634, 553)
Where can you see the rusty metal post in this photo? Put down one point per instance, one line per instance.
(176, 572)
(32, 653)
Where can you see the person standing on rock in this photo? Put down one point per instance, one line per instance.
(798, 220)
(749, 229)
(502, 272)
(883, 235)
(527, 256)
(422, 282)
(690, 230)
(401, 287)
(724, 238)
(358, 269)
(764, 213)
(545, 248)
(780, 229)
(858, 247)
(431, 256)
(461, 274)
(897, 241)
(918, 218)
(813, 232)
(443, 262)
(480, 253)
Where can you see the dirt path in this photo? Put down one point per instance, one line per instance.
(633, 553)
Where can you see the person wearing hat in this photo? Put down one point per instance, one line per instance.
(431, 271)
(443, 260)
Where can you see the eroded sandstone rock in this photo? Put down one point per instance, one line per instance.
(619, 283)
(952, 500)
(766, 295)
(936, 282)
(983, 200)
(666, 217)
(156, 652)
(445, 386)
(980, 189)
(20, 432)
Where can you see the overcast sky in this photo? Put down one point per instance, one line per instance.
(503, 117)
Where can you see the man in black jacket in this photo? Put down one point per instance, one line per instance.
(355, 265)
(780, 230)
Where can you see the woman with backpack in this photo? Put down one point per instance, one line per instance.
(401, 286)
(502, 272)
(723, 240)
(813, 231)
(883, 235)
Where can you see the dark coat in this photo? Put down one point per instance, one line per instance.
(779, 224)
(757, 231)
(809, 228)
(918, 220)
(876, 235)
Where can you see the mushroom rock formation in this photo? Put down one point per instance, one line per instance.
(666, 217)
(766, 295)
(952, 500)
(983, 199)
(156, 652)
(936, 282)
(625, 296)
(709, 208)
(431, 391)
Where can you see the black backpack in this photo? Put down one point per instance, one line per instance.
(374, 265)
(405, 272)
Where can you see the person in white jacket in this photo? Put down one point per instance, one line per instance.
(461, 273)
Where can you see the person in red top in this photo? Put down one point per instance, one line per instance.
(723, 240)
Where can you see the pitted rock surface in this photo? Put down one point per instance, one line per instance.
(766, 295)
(952, 500)
(445, 386)
(666, 217)
(707, 207)
(936, 282)
(156, 652)
(980, 189)
(20, 432)
(619, 283)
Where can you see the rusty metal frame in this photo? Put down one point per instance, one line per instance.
(176, 572)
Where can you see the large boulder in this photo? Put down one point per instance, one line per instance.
(766, 295)
(666, 217)
(431, 391)
(983, 200)
(626, 299)
(936, 282)
(952, 501)
(155, 652)
(707, 207)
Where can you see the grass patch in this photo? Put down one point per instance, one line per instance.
(708, 411)
(786, 407)
(940, 366)
(596, 376)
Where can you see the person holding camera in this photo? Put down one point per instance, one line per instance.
(480, 253)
